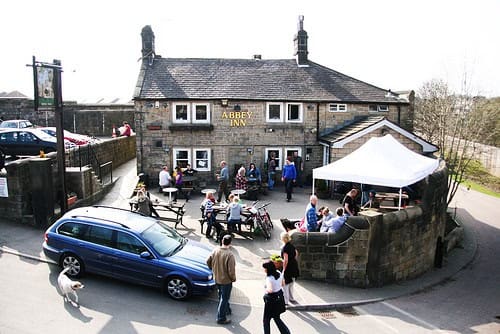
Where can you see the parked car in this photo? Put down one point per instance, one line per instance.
(26, 142)
(16, 124)
(129, 246)
(75, 138)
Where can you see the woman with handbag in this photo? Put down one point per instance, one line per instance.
(274, 302)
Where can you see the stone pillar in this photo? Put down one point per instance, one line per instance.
(42, 190)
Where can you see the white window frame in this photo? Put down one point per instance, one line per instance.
(291, 148)
(337, 107)
(178, 149)
(385, 109)
(272, 120)
(202, 121)
(209, 159)
(301, 112)
(174, 112)
(279, 159)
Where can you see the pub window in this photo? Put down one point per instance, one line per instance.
(289, 151)
(274, 112)
(202, 159)
(335, 107)
(182, 156)
(181, 113)
(277, 155)
(201, 113)
(294, 112)
(383, 107)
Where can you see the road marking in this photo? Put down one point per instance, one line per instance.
(411, 316)
(376, 319)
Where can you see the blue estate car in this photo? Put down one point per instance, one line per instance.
(129, 246)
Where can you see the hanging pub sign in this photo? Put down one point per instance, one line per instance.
(45, 86)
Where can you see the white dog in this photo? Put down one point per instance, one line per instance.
(67, 286)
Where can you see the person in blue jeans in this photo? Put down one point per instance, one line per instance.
(288, 176)
(223, 264)
(271, 171)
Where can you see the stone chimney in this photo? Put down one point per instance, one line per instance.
(148, 44)
(300, 42)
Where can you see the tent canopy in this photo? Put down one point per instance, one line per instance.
(380, 161)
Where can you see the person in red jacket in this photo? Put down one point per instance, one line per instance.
(127, 130)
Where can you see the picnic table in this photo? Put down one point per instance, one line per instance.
(221, 215)
(176, 211)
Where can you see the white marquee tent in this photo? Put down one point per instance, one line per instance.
(380, 161)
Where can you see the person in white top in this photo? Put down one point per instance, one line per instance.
(165, 178)
(274, 299)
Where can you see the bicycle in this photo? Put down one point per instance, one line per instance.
(260, 219)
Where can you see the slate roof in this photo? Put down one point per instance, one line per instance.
(352, 128)
(251, 79)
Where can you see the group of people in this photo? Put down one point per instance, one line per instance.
(234, 211)
(175, 180)
(278, 290)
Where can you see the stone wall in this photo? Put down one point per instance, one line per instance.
(399, 245)
(229, 140)
(92, 119)
(32, 183)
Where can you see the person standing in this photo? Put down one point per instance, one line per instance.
(349, 202)
(299, 167)
(310, 216)
(223, 265)
(290, 267)
(273, 299)
(178, 184)
(223, 178)
(271, 170)
(289, 175)
(164, 178)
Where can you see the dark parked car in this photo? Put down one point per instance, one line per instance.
(131, 247)
(26, 142)
(16, 124)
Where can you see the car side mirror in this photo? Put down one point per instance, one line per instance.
(146, 255)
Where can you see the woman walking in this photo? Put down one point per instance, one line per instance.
(290, 266)
(273, 299)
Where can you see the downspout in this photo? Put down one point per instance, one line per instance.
(399, 114)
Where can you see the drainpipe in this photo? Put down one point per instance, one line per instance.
(399, 114)
(317, 122)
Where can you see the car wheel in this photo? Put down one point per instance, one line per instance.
(75, 263)
(177, 288)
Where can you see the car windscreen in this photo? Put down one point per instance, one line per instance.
(42, 135)
(165, 240)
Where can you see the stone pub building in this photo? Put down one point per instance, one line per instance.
(201, 111)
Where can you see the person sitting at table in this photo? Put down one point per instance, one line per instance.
(234, 210)
(178, 185)
(189, 171)
(210, 215)
(372, 201)
(334, 224)
(253, 174)
(143, 203)
(349, 202)
(164, 179)
(241, 180)
(325, 217)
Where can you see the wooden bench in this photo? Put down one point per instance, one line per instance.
(177, 210)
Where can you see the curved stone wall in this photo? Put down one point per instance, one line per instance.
(397, 246)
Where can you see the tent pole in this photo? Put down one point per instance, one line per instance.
(313, 187)
(400, 195)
